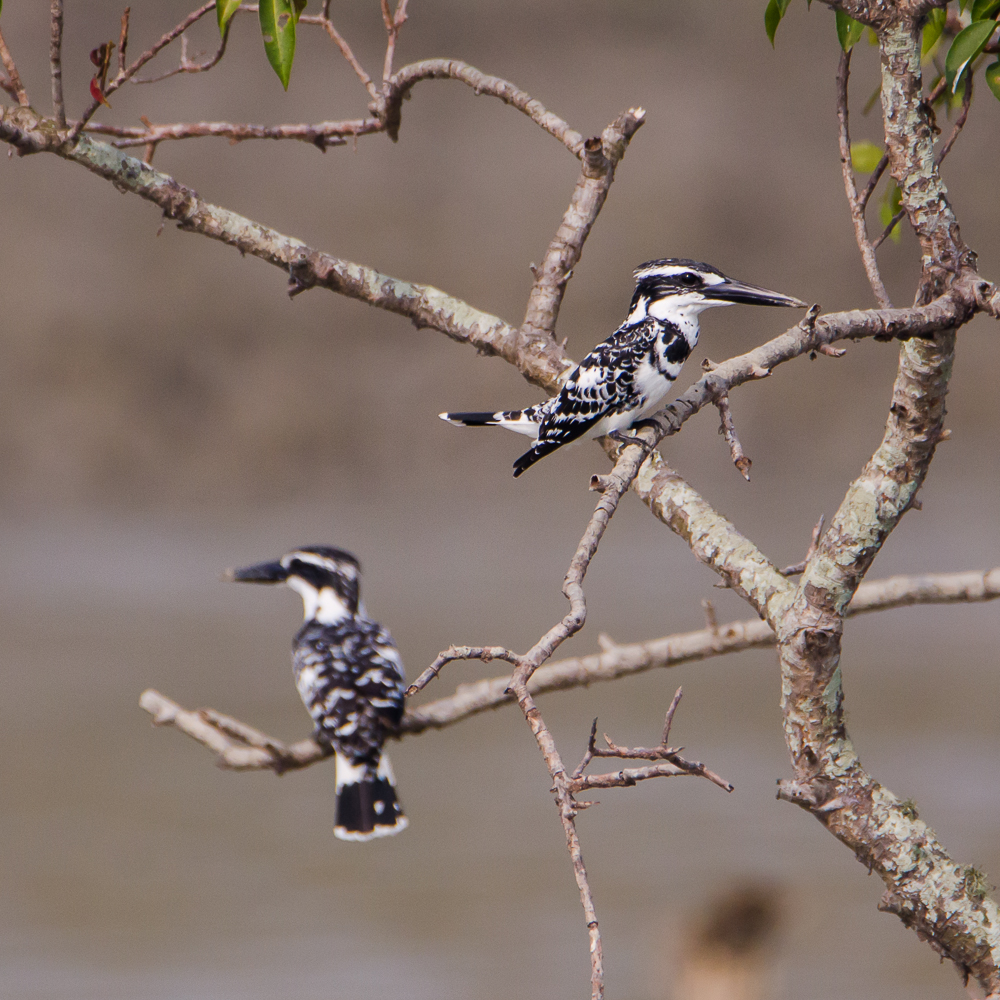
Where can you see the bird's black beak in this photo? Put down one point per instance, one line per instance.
(737, 291)
(269, 572)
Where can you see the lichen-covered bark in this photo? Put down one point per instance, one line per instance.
(940, 899)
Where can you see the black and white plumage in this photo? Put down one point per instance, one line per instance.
(350, 677)
(626, 377)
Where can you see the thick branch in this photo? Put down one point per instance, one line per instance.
(600, 158)
(320, 134)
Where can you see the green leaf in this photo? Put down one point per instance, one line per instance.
(224, 10)
(872, 35)
(983, 9)
(933, 27)
(993, 79)
(888, 207)
(848, 30)
(772, 18)
(865, 156)
(277, 26)
(962, 4)
(967, 45)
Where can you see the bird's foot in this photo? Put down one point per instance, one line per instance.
(626, 439)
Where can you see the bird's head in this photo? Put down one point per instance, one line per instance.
(675, 288)
(326, 579)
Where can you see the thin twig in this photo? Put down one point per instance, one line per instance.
(799, 567)
(123, 40)
(12, 73)
(484, 653)
(324, 20)
(122, 76)
(854, 203)
(55, 62)
(959, 121)
(887, 232)
(727, 428)
(876, 176)
(393, 22)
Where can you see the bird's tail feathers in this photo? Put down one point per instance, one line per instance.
(519, 421)
(367, 806)
(528, 459)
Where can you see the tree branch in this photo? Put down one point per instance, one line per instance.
(613, 664)
(55, 63)
(388, 106)
(600, 158)
(12, 74)
(854, 202)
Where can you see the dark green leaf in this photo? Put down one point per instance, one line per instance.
(993, 79)
(865, 156)
(224, 10)
(848, 30)
(933, 27)
(888, 207)
(983, 9)
(772, 18)
(277, 26)
(962, 4)
(967, 45)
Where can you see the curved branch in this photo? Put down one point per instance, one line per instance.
(389, 104)
(600, 158)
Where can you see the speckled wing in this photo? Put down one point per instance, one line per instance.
(603, 383)
(350, 677)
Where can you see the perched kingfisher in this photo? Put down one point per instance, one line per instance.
(350, 677)
(626, 377)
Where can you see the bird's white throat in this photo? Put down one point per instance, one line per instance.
(323, 605)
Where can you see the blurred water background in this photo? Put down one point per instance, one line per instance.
(167, 411)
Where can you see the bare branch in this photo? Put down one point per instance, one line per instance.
(855, 204)
(728, 430)
(55, 63)
(122, 76)
(123, 40)
(635, 658)
(390, 103)
(186, 65)
(959, 121)
(393, 22)
(799, 567)
(324, 20)
(600, 158)
(322, 134)
(12, 73)
(484, 653)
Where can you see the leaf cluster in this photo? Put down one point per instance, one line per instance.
(963, 53)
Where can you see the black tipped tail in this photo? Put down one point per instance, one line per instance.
(367, 806)
(528, 459)
(470, 419)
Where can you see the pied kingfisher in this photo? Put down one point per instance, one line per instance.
(350, 677)
(624, 378)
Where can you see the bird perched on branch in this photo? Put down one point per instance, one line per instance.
(625, 378)
(350, 677)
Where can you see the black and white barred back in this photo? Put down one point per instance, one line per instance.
(625, 378)
(350, 677)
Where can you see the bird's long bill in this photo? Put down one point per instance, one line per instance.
(269, 572)
(736, 291)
